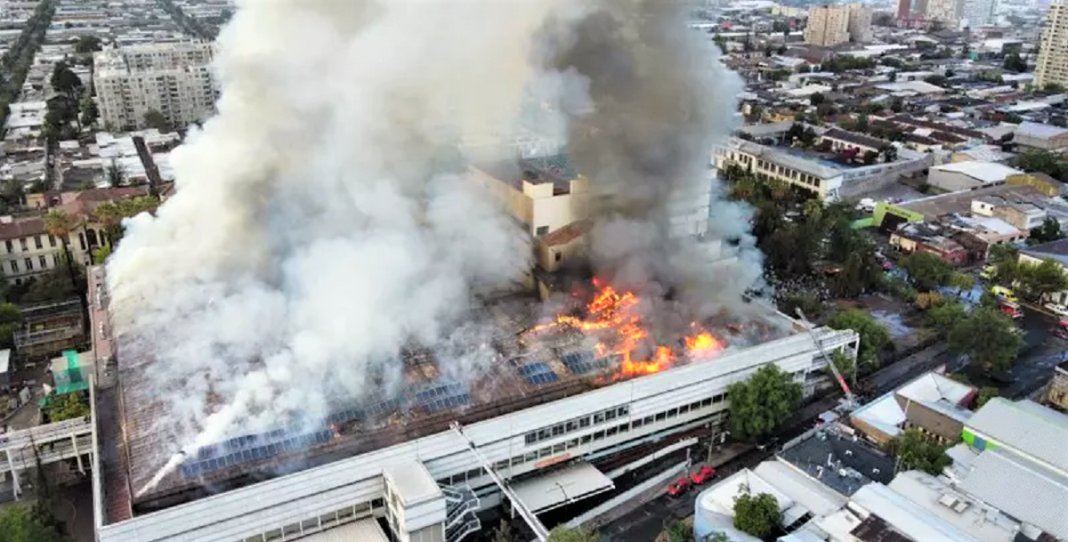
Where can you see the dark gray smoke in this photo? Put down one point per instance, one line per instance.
(647, 102)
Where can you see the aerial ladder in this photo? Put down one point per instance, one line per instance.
(540, 532)
(851, 400)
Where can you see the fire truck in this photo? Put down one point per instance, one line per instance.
(1060, 330)
(1010, 309)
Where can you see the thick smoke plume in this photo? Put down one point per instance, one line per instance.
(320, 224)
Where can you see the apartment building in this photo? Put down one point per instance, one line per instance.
(946, 12)
(172, 78)
(976, 13)
(1052, 66)
(26, 249)
(828, 25)
(860, 23)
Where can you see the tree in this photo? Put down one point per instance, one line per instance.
(717, 536)
(1043, 162)
(846, 366)
(68, 406)
(914, 452)
(1038, 280)
(757, 515)
(1014, 63)
(10, 322)
(926, 271)
(563, 534)
(155, 119)
(874, 337)
(870, 157)
(721, 42)
(892, 77)
(87, 44)
(987, 337)
(20, 523)
(101, 254)
(1054, 88)
(897, 105)
(889, 153)
(1050, 230)
(945, 316)
(115, 174)
(936, 80)
(65, 80)
(90, 112)
(760, 404)
(986, 393)
(816, 99)
(503, 532)
(60, 224)
(679, 531)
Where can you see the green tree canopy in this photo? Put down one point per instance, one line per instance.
(874, 336)
(679, 531)
(945, 316)
(1014, 63)
(155, 119)
(760, 404)
(986, 393)
(68, 407)
(1050, 230)
(1037, 280)
(87, 44)
(757, 515)
(90, 112)
(927, 271)
(988, 337)
(914, 452)
(563, 534)
(21, 523)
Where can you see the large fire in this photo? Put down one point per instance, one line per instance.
(612, 317)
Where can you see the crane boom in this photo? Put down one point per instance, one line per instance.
(850, 398)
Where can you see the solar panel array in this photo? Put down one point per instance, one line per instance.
(580, 363)
(216, 461)
(442, 396)
(537, 373)
(371, 410)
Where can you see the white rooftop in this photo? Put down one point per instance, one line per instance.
(919, 87)
(1021, 488)
(940, 499)
(562, 486)
(412, 481)
(1028, 428)
(365, 530)
(932, 390)
(907, 517)
(807, 90)
(990, 224)
(986, 172)
(1039, 130)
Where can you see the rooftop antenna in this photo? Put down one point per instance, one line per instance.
(851, 400)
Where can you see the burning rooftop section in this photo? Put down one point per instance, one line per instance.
(599, 338)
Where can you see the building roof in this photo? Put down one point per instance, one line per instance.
(961, 202)
(1056, 250)
(808, 492)
(986, 224)
(365, 530)
(1027, 427)
(987, 153)
(568, 233)
(412, 482)
(1021, 488)
(16, 228)
(907, 517)
(938, 498)
(919, 87)
(858, 139)
(985, 172)
(1039, 130)
(559, 487)
(788, 160)
(839, 462)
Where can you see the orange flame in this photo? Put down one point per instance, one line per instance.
(611, 315)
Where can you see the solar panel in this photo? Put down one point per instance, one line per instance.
(538, 373)
(442, 396)
(580, 363)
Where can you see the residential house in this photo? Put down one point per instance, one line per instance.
(1047, 184)
(932, 403)
(925, 237)
(1021, 215)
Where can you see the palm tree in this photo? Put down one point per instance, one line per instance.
(59, 224)
(116, 175)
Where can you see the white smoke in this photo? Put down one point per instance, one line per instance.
(315, 232)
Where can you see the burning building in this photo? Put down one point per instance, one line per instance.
(567, 392)
(287, 341)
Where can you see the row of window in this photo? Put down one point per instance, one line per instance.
(571, 426)
(329, 520)
(561, 447)
(28, 263)
(24, 245)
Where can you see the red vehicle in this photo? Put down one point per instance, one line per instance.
(678, 487)
(1060, 330)
(1008, 308)
(704, 474)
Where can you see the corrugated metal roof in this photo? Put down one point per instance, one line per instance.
(1027, 427)
(1021, 488)
(562, 486)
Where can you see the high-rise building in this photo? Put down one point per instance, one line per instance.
(946, 12)
(174, 79)
(904, 9)
(859, 23)
(976, 13)
(827, 25)
(1053, 52)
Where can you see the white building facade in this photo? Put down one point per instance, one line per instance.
(174, 79)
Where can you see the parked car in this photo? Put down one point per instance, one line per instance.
(703, 474)
(1060, 330)
(678, 487)
(1058, 309)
